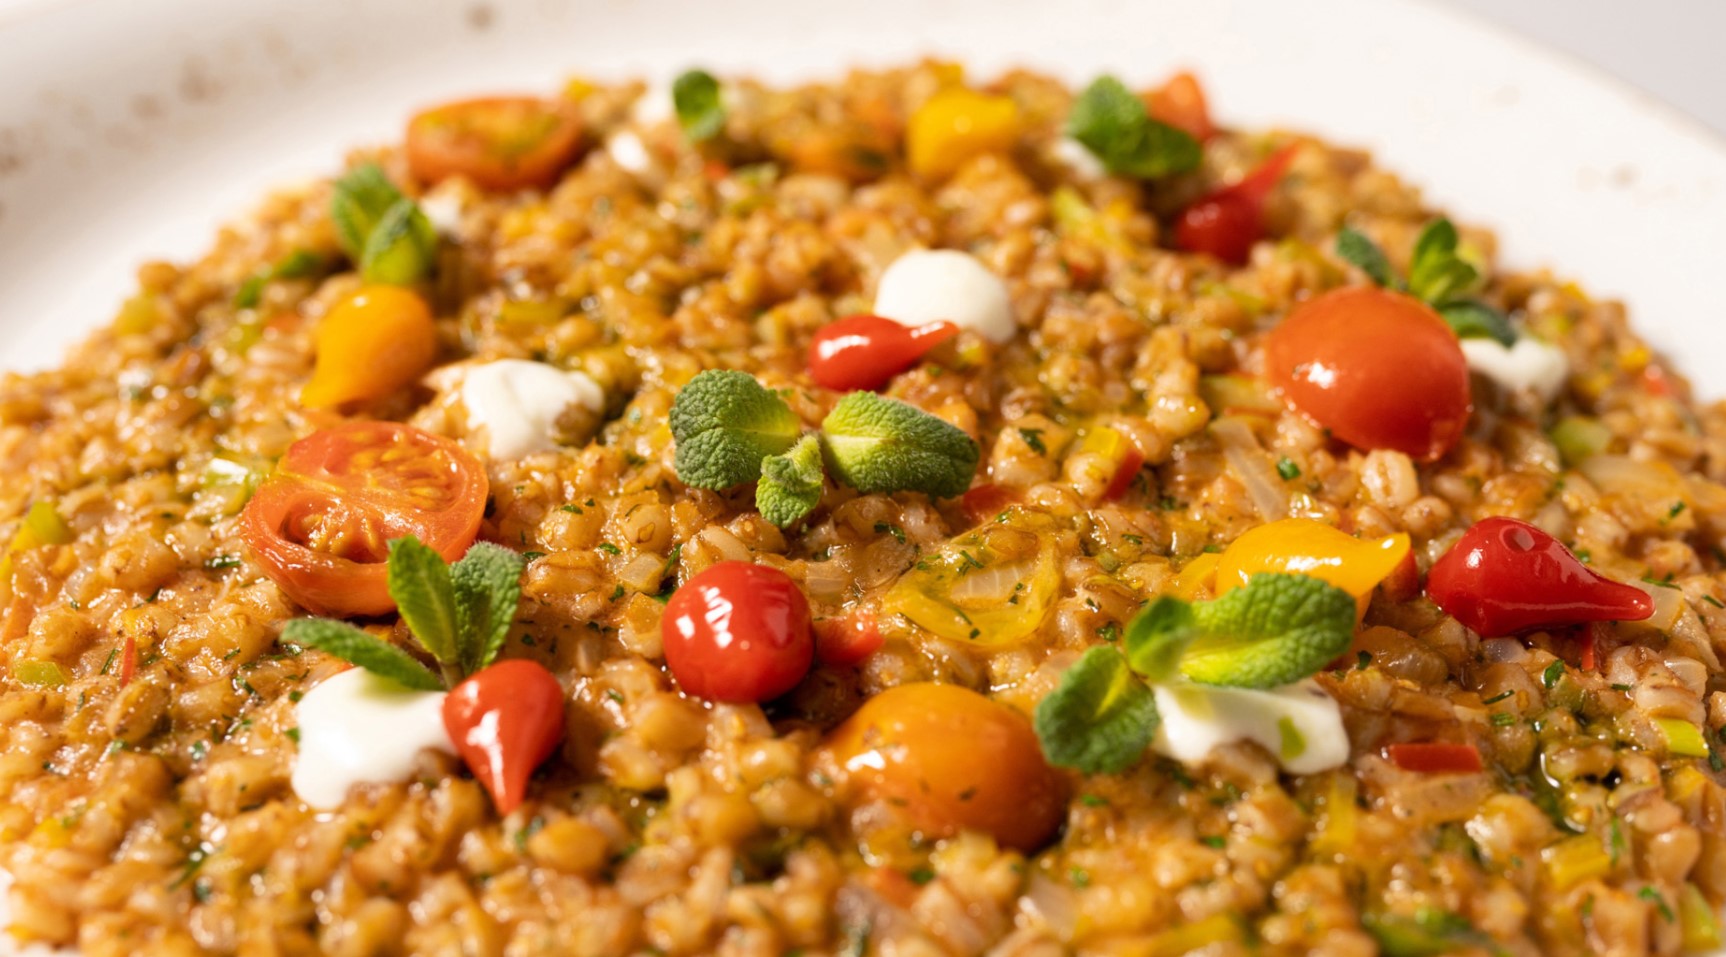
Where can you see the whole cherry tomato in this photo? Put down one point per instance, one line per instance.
(321, 524)
(1227, 222)
(848, 639)
(1379, 369)
(504, 720)
(947, 759)
(738, 632)
(864, 351)
(501, 143)
(1506, 576)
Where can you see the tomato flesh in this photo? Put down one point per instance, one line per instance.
(738, 632)
(501, 143)
(864, 351)
(1434, 757)
(1379, 369)
(321, 524)
(504, 721)
(1181, 103)
(1227, 222)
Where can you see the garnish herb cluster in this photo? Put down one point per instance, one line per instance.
(1111, 122)
(695, 95)
(1437, 276)
(385, 233)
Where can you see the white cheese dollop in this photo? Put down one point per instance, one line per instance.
(1078, 159)
(655, 104)
(1299, 723)
(1529, 365)
(628, 152)
(518, 402)
(929, 285)
(358, 728)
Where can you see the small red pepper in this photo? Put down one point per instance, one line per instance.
(1435, 757)
(503, 721)
(1227, 222)
(128, 660)
(848, 639)
(1506, 576)
(864, 351)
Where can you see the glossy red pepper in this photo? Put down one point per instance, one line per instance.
(848, 639)
(1435, 757)
(864, 351)
(1227, 222)
(1506, 576)
(128, 660)
(504, 720)
(738, 632)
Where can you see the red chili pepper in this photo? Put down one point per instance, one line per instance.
(1435, 757)
(1227, 222)
(1505, 576)
(128, 660)
(503, 721)
(864, 351)
(848, 639)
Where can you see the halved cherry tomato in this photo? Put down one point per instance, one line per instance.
(948, 759)
(1435, 757)
(848, 639)
(321, 524)
(738, 632)
(501, 143)
(1181, 103)
(1379, 369)
(864, 351)
(504, 720)
(1227, 222)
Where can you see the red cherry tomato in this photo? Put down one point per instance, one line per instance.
(504, 721)
(848, 639)
(501, 143)
(1181, 104)
(1379, 369)
(1434, 757)
(1227, 222)
(321, 524)
(1506, 576)
(738, 632)
(864, 351)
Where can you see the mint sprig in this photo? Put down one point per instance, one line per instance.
(460, 614)
(1437, 276)
(876, 444)
(791, 484)
(385, 233)
(724, 423)
(1115, 126)
(1278, 629)
(700, 109)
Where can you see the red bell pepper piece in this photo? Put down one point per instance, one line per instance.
(1435, 757)
(1227, 222)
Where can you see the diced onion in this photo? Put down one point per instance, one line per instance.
(1253, 467)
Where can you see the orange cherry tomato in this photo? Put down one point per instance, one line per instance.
(1226, 223)
(321, 524)
(848, 639)
(948, 759)
(1379, 369)
(504, 720)
(864, 351)
(501, 143)
(372, 343)
(1181, 103)
(1435, 757)
(738, 632)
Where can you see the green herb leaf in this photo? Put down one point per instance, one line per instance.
(884, 445)
(487, 586)
(724, 423)
(1158, 636)
(1101, 717)
(1113, 124)
(700, 110)
(791, 484)
(1477, 320)
(1436, 273)
(1355, 248)
(1429, 933)
(358, 203)
(351, 644)
(1278, 629)
(402, 248)
(419, 582)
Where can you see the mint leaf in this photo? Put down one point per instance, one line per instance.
(1158, 636)
(351, 644)
(1477, 320)
(1436, 273)
(724, 423)
(401, 248)
(358, 203)
(1355, 248)
(1115, 126)
(419, 583)
(791, 484)
(487, 585)
(700, 110)
(1278, 629)
(1101, 717)
(884, 445)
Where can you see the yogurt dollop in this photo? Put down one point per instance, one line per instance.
(358, 728)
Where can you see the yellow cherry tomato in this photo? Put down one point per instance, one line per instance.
(371, 344)
(946, 759)
(955, 125)
(1307, 547)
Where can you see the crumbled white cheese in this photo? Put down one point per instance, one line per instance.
(1300, 723)
(1530, 365)
(358, 728)
(1078, 159)
(518, 402)
(443, 206)
(628, 152)
(928, 285)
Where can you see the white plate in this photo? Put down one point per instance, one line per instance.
(129, 130)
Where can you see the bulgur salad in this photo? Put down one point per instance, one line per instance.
(907, 514)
